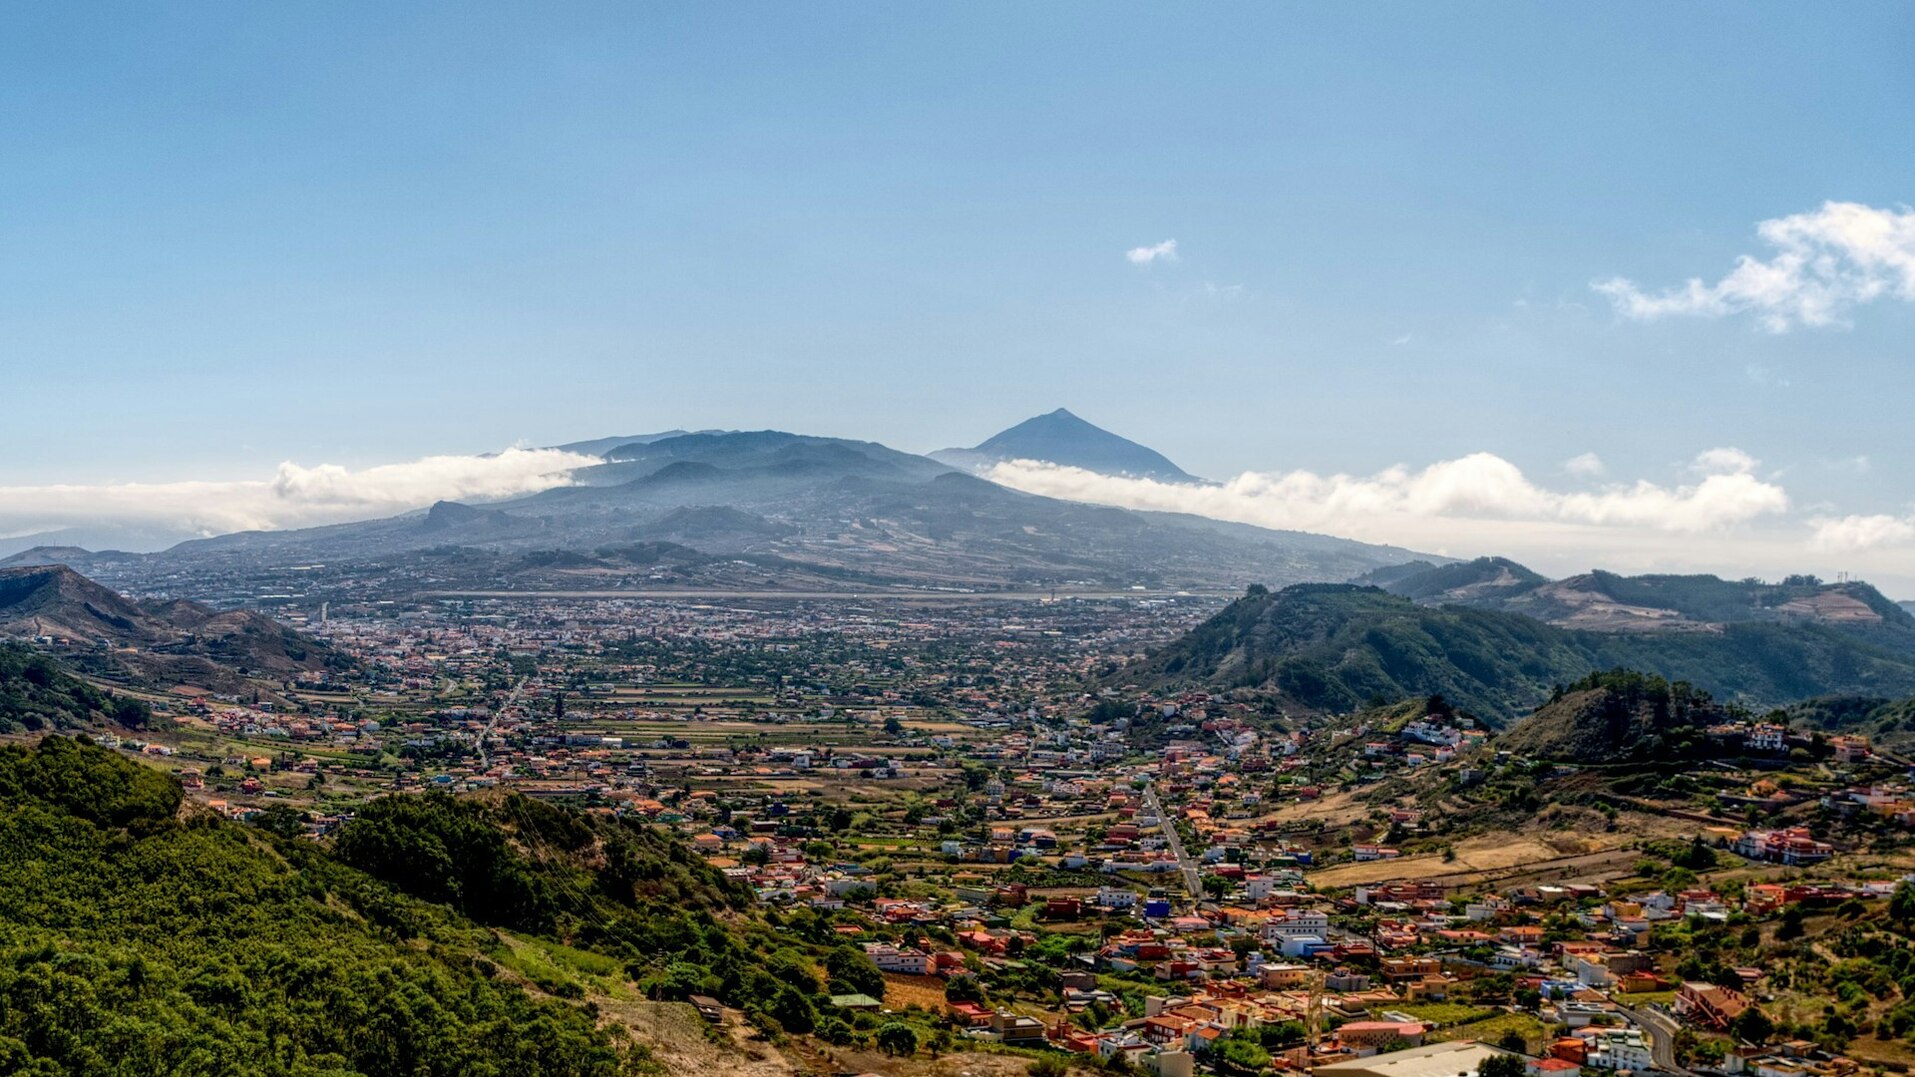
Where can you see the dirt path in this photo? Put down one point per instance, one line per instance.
(681, 1041)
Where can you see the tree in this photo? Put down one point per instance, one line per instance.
(963, 988)
(1239, 1056)
(1514, 1041)
(1501, 1065)
(1791, 926)
(1697, 857)
(1048, 1066)
(1282, 1034)
(792, 1010)
(1753, 1026)
(1901, 906)
(852, 972)
(897, 1038)
(281, 820)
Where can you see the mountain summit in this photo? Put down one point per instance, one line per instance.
(1060, 437)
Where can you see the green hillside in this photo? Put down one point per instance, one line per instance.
(1618, 716)
(487, 936)
(36, 694)
(1336, 648)
(1889, 723)
(134, 943)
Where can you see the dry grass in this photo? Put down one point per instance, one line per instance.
(1335, 809)
(926, 992)
(964, 1064)
(1492, 1029)
(1552, 848)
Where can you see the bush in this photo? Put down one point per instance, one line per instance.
(897, 1038)
(833, 1030)
(1049, 1066)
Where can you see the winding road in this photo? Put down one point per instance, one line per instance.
(1660, 1030)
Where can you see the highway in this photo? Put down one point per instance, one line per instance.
(1193, 882)
(892, 595)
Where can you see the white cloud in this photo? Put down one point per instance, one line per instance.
(1729, 522)
(1586, 466)
(1826, 263)
(1850, 533)
(1404, 505)
(295, 496)
(1156, 252)
(1723, 461)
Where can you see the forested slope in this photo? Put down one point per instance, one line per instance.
(135, 942)
(36, 694)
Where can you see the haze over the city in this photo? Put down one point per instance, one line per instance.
(1629, 286)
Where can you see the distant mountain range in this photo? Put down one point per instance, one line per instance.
(1062, 438)
(1606, 602)
(98, 537)
(1495, 639)
(601, 446)
(748, 510)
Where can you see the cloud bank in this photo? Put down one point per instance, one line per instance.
(1480, 486)
(1849, 534)
(295, 495)
(1826, 263)
(1158, 252)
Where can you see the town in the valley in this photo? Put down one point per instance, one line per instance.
(1044, 859)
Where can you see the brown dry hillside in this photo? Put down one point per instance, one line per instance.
(177, 638)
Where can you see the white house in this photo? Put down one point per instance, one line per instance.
(1620, 1049)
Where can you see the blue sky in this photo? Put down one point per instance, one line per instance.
(236, 235)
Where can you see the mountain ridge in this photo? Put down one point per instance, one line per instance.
(766, 509)
(1328, 648)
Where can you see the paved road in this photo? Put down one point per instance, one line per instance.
(1193, 882)
(1660, 1030)
(485, 759)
